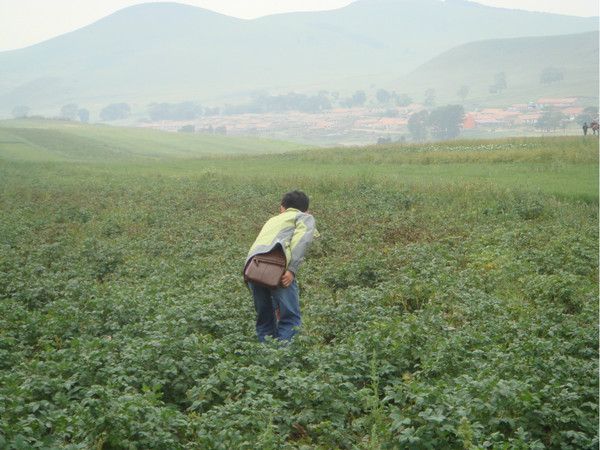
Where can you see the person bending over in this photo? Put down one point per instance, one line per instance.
(278, 310)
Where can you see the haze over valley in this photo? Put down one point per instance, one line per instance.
(316, 77)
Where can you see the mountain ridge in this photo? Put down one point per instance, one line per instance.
(522, 60)
(178, 52)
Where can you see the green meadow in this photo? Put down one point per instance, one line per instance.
(451, 300)
(55, 140)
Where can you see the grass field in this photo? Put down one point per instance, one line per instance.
(48, 140)
(450, 302)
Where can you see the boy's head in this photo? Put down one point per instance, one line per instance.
(295, 199)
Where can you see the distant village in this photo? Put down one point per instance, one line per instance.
(364, 125)
(523, 113)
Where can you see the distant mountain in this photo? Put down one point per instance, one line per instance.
(574, 58)
(173, 52)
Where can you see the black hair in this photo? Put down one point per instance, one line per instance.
(295, 199)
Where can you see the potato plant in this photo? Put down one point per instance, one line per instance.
(460, 314)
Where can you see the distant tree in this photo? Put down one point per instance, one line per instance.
(391, 112)
(551, 119)
(417, 125)
(69, 111)
(429, 99)
(383, 96)
(159, 111)
(212, 111)
(463, 92)
(115, 111)
(346, 102)
(221, 130)
(84, 115)
(187, 129)
(359, 98)
(501, 80)
(382, 140)
(551, 75)
(186, 111)
(499, 83)
(20, 111)
(446, 121)
(174, 111)
(264, 103)
(318, 103)
(589, 114)
(280, 103)
(402, 99)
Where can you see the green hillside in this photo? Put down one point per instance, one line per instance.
(173, 52)
(521, 59)
(68, 141)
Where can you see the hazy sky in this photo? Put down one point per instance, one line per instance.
(26, 22)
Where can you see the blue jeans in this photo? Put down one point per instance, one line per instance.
(266, 301)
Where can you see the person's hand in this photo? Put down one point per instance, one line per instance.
(287, 278)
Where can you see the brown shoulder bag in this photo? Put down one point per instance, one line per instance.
(266, 269)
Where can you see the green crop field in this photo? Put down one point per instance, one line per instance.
(450, 302)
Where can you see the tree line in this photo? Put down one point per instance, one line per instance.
(265, 103)
(444, 122)
(71, 111)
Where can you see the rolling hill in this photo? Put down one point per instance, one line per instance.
(173, 52)
(521, 59)
(49, 140)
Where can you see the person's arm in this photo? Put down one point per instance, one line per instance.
(301, 239)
